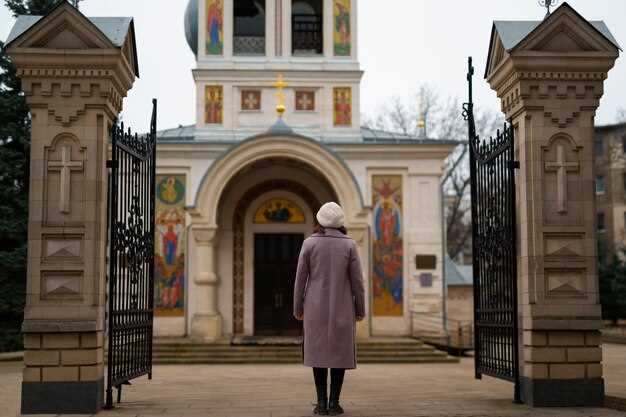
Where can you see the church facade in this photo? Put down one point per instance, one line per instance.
(237, 192)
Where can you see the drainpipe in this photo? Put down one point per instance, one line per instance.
(443, 261)
(370, 312)
(186, 307)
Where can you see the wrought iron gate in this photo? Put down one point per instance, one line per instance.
(131, 256)
(492, 170)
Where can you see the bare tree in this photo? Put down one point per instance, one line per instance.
(442, 119)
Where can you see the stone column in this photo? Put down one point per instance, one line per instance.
(229, 26)
(270, 29)
(328, 29)
(550, 85)
(287, 30)
(207, 321)
(74, 80)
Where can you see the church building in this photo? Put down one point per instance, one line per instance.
(238, 191)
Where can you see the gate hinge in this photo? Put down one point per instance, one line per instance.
(514, 164)
(112, 164)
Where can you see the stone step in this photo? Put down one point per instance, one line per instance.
(363, 345)
(209, 349)
(261, 360)
(288, 354)
(381, 350)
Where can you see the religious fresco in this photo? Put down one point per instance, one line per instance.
(278, 210)
(214, 27)
(387, 245)
(342, 31)
(342, 106)
(213, 104)
(305, 100)
(250, 100)
(169, 256)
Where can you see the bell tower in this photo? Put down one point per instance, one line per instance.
(241, 46)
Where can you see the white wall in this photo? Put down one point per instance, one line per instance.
(421, 169)
(319, 73)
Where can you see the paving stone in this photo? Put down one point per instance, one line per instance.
(420, 390)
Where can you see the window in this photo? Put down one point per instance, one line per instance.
(601, 225)
(600, 184)
(599, 147)
(307, 24)
(249, 27)
(602, 251)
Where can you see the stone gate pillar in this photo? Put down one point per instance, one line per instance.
(549, 76)
(74, 75)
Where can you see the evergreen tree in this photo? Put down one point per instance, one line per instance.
(14, 170)
(34, 7)
(613, 288)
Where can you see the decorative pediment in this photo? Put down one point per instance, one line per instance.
(563, 40)
(67, 39)
(66, 28)
(497, 53)
(566, 31)
(130, 50)
(63, 28)
(563, 32)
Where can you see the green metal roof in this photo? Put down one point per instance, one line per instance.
(186, 134)
(114, 28)
(458, 274)
(513, 32)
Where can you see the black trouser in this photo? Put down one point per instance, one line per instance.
(336, 379)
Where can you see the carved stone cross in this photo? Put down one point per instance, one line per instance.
(561, 167)
(65, 166)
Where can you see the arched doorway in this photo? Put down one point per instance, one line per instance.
(264, 244)
(263, 175)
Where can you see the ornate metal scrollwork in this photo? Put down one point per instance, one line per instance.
(131, 256)
(492, 164)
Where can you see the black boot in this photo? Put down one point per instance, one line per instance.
(334, 408)
(321, 386)
(322, 401)
(336, 382)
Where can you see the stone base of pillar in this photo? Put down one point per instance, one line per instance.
(205, 327)
(74, 397)
(587, 392)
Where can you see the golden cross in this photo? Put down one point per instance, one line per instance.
(280, 85)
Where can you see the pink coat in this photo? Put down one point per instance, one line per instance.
(329, 292)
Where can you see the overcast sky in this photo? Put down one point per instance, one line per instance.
(402, 43)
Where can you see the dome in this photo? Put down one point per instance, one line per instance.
(191, 25)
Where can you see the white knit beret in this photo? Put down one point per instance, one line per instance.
(330, 215)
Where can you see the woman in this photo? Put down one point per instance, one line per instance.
(329, 297)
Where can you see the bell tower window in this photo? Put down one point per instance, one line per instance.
(249, 27)
(307, 26)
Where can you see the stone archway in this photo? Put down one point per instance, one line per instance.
(206, 322)
(295, 147)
